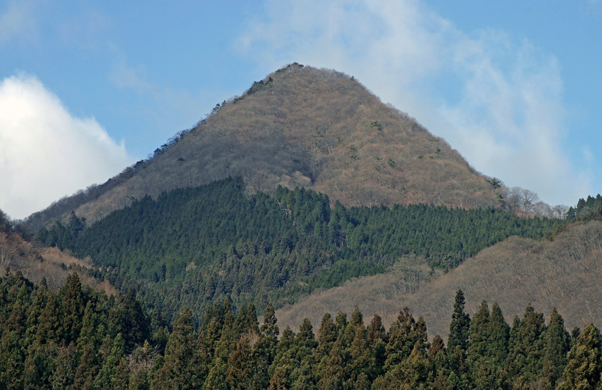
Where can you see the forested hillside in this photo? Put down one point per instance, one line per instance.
(562, 271)
(76, 338)
(191, 247)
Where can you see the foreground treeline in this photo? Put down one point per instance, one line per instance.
(76, 338)
(195, 246)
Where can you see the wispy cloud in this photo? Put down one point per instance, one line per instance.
(495, 99)
(17, 19)
(84, 30)
(45, 152)
(168, 107)
(124, 76)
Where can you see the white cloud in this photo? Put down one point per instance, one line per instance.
(45, 152)
(496, 100)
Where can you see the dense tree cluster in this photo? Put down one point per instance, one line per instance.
(585, 207)
(75, 338)
(5, 222)
(67, 339)
(192, 247)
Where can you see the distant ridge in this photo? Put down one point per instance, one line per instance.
(300, 126)
(561, 272)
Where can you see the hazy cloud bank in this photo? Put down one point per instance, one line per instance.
(45, 152)
(496, 99)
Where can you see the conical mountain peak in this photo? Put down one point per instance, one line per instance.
(308, 127)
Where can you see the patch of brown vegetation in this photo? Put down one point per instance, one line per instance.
(314, 128)
(372, 294)
(564, 273)
(56, 256)
(36, 262)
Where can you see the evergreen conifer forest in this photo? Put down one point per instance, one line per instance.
(76, 338)
(196, 246)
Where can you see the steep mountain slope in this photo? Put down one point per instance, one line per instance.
(563, 273)
(300, 126)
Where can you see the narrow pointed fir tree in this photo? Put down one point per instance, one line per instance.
(327, 335)
(377, 342)
(411, 373)
(252, 325)
(405, 334)
(121, 380)
(334, 375)
(73, 306)
(48, 323)
(285, 361)
(479, 333)
(362, 361)
(241, 366)
(459, 328)
(87, 369)
(241, 318)
(300, 355)
(556, 347)
(584, 366)
(487, 351)
(134, 325)
(88, 334)
(439, 366)
(524, 363)
(341, 322)
(106, 377)
(179, 371)
(265, 347)
(357, 320)
(216, 379)
(499, 333)
(305, 337)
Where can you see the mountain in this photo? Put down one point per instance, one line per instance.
(300, 126)
(305, 181)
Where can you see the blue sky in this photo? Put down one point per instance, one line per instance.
(87, 88)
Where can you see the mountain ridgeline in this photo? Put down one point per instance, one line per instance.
(193, 246)
(300, 126)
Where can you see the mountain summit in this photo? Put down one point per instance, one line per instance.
(300, 126)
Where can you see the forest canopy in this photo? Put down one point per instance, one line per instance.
(76, 338)
(192, 247)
